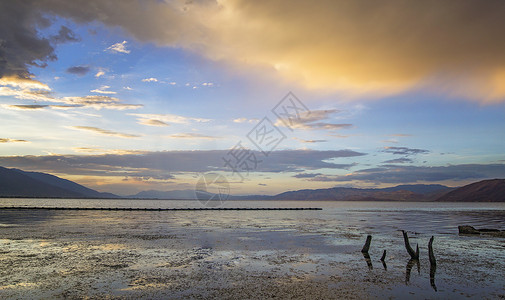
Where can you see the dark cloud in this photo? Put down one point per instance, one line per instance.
(29, 106)
(411, 174)
(307, 175)
(20, 44)
(65, 35)
(78, 70)
(402, 160)
(170, 162)
(404, 151)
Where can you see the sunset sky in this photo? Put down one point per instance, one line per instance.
(123, 95)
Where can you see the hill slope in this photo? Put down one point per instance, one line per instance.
(17, 183)
(66, 184)
(483, 191)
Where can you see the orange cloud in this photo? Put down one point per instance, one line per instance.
(359, 47)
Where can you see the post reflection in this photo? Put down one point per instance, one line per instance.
(410, 265)
(433, 270)
(368, 260)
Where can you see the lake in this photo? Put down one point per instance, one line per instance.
(248, 254)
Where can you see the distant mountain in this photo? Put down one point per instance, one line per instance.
(418, 192)
(176, 194)
(418, 188)
(18, 183)
(483, 191)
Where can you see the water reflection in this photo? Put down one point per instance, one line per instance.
(433, 270)
(384, 265)
(409, 267)
(368, 260)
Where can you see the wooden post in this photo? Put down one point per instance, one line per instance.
(433, 264)
(433, 261)
(366, 247)
(413, 255)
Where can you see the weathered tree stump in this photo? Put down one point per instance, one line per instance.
(433, 261)
(366, 247)
(413, 255)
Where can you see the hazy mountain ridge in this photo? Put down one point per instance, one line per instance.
(175, 194)
(398, 193)
(18, 183)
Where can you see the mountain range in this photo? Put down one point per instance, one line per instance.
(18, 183)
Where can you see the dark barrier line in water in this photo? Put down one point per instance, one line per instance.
(161, 209)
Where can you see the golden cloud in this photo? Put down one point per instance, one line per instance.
(105, 131)
(361, 47)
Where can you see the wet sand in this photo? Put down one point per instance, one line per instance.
(230, 255)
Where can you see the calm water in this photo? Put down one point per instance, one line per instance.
(316, 248)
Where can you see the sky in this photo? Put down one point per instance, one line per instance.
(124, 95)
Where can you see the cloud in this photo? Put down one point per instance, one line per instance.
(105, 131)
(152, 79)
(307, 175)
(103, 90)
(99, 74)
(118, 48)
(192, 135)
(4, 140)
(152, 122)
(309, 141)
(65, 35)
(390, 141)
(28, 107)
(402, 160)
(98, 102)
(400, 135)
(78, 70)
(29, 89)
(167, 119)
(107, 151)
(244, 120)
(20, 44)
(351, 46)
(23, 83)
(171, 162)
(356, 47)
(411, 174)
(404, 151)
(312, 120)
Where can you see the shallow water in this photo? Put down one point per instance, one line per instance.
(247, 254)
